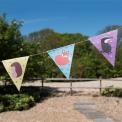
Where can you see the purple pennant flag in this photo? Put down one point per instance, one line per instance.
(106, 44)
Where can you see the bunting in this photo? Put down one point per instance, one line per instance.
(63, 58)
(106, 45)
(16, 69)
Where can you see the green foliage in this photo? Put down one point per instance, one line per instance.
(15, 102)
(112, 91)
(10, 38)
(11, 99)
(11, 42)
(87, 61)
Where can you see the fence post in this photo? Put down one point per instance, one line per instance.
(5, 82)
(42, 82)
(100, 85)
(71, 88)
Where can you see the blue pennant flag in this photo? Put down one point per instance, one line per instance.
(63, 58)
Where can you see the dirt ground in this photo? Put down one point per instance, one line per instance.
(111, 106)
(56, 109)
(61, 109)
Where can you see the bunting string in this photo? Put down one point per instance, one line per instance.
(80, 42)
(32, 55)
(62, 56)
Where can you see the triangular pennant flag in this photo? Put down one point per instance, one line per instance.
(63, 58)
(106, 44)
(16, 69)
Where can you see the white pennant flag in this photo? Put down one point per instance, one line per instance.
(16, 69)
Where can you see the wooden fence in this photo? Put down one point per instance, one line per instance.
(72, 80)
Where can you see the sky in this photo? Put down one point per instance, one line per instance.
(65, 16)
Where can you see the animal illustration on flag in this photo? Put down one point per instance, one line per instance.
(106, 45)
(16, 69)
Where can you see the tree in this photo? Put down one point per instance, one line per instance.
(11, 41)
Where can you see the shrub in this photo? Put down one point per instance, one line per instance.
(112, 91)
(11, 99)
(16, 102)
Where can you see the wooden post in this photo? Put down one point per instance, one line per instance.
(100, 85)
(71, 88)
(42, 82)
(5, 82)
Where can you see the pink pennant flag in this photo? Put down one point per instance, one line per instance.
(106, 44)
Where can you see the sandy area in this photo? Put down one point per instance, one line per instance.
(57, 109)
(111, 106)
(61, 109)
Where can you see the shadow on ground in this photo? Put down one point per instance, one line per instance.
(27, 97)
(42, 92)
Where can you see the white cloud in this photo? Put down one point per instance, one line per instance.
(37, 20)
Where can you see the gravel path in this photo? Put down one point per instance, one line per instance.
(57, 109)
(61, 109)
(89, 109)
(111, 106)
